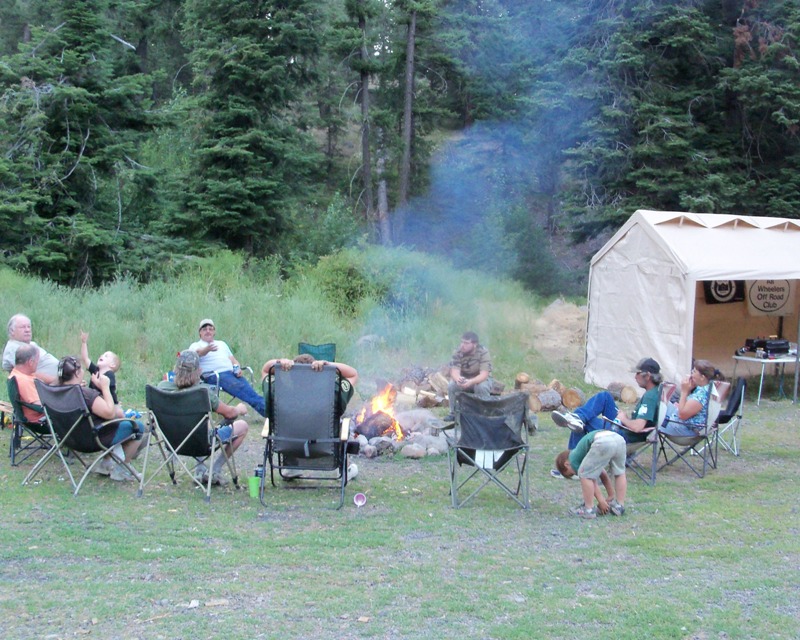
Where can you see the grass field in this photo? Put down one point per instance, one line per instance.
(710, 558)
(716, 558)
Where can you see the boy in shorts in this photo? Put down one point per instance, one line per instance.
(107, 364)
(593, 453)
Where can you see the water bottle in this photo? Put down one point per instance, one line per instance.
(259, 471)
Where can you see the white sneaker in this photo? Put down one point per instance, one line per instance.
(568, 420)
(117, 451)
(121, 474)
(199, 471)
(105, 467)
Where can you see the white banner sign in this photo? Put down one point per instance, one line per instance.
(770, 297)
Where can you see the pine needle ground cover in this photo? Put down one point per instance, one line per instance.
(710, 558)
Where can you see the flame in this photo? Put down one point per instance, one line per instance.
(382, 403)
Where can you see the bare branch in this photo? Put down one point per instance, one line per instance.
(121, 41)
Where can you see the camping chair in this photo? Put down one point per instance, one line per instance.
(72, 429)
(305, 431)
(489, 435)
(646, 450)
(704, 444)
(181, 426)
(730, 418)
(26, 437)
(326, 351)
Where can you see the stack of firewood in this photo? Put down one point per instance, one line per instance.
(555, 395)
(427, 388)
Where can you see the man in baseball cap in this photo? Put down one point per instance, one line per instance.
(220, 367)
(647, 374)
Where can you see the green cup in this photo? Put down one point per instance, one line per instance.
(254, 483)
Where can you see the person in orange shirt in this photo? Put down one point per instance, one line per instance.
(26, 359)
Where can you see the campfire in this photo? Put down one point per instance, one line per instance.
(377, 417)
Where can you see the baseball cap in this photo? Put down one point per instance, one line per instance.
(647, 365)
(187, 361)
(206, 321)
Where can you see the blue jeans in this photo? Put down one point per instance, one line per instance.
(126, 428)
(673, 425)
(238, 387)
(600, 404)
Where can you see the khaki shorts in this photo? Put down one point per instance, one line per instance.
(607, 448)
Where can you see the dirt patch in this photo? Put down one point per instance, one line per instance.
(560, 332)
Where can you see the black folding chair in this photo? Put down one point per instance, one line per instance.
(698, 451)
(488, 437)
(731, 417)
(306, 438)
(181, 426)
(72, 429)
(27, 438)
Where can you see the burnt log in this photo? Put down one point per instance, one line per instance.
(377, 424)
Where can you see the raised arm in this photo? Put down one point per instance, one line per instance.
(85, 359)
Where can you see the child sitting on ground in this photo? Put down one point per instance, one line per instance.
(591, 455)
(107, 364)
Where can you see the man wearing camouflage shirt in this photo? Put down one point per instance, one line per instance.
(470, 370)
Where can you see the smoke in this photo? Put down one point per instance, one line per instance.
(497, 183)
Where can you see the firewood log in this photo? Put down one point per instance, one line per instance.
(557, 385)
(439, 383)
(534, 404)
(623, 392)
(521, 379)
(573, 398)
(628, 395)
(550, 399)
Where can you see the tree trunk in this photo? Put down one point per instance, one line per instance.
(384, 229)
(366, 160)
(408, 104)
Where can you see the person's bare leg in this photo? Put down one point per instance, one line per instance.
(621, 484)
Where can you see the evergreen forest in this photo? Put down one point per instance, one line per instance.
(507, 135)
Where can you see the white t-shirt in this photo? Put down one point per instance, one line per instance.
(48, 363)
(219, 360)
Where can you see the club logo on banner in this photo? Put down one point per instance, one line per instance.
(770, 297)
(722, 291)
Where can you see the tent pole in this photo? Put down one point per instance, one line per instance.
(796, 362)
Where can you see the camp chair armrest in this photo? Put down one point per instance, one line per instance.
(114, 422)
(344, 431)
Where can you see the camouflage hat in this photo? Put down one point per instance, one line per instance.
(187, 361)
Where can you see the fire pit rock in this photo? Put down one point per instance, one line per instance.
(421, 436)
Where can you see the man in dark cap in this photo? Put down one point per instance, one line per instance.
(647, 373)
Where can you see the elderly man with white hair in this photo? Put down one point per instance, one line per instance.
(19, 333)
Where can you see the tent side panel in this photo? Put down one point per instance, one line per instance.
(637, 308)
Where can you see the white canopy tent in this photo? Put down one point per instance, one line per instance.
(647, 294)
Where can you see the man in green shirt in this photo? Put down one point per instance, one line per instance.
(633, 428)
